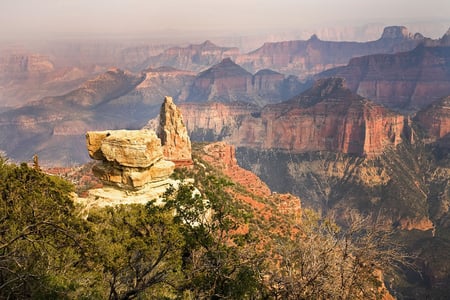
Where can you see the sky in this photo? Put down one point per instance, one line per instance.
(28, 18)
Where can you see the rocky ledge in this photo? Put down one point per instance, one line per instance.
(135, 165)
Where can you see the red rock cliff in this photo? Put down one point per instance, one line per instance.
(328, 117)
(408, 80)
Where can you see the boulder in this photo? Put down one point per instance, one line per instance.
(130, 159)
(132, 148)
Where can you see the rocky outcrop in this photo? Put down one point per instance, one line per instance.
(435, 120)
(407, 81)
(306, 58)
(327, 117)
(130, 159)
(223, 157)
(176, 144)
(228, 82)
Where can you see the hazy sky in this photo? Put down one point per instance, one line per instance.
(33, 17)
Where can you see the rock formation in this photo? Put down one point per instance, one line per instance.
(407, 81)
(176, 145)
(228, 82)
(306, 58)
(435, 119)
(130, 159)
(223, 157)
(327, 117)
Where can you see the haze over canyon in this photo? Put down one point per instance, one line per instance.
(340, 118)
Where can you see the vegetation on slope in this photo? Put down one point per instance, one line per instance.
(213, 247)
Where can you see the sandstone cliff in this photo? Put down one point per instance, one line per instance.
(175, 140)
(327, 117)
(406, 81)
(257, 194)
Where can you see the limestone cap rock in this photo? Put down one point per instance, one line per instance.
(130, 148)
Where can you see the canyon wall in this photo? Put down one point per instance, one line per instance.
(328, 117)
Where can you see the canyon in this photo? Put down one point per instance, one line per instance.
(371, 135)
(327, 117)
(407, 81)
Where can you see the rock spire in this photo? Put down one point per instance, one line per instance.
(176, 145)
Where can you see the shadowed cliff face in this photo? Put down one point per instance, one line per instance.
(435, 120)
(327, 117)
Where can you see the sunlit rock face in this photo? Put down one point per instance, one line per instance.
(327, 117)
(173, 134)
(130, 159)
(405, 81)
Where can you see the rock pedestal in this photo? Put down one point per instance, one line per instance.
(130, 159)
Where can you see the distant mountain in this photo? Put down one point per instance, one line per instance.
(26, 77)
(406, 81)
(302, 58)
(229, 82)
(193, 57)
(306, 58)
(54, 127)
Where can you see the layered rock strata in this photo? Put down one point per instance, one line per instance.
(406, 81)
(306, 58)
(130, 159)
(328, 117)
(228, 82)
(176, 145)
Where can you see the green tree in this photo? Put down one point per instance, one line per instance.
(219, 260)
(137, 249)
(39, 239)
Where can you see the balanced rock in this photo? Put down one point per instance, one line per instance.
(130, 159)
(173, 134)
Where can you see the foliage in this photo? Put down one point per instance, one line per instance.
(202, 244)
(38, 233)
(323, 261)
(219, 258)
(137, 249)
